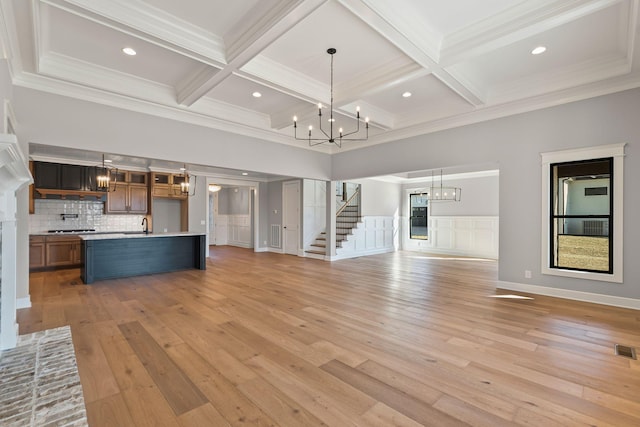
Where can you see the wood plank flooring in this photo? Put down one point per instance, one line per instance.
(403, 339)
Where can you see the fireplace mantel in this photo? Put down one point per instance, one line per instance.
(14, 174)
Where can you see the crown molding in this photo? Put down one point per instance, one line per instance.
(264, 70)
(619, 84)
(154, 25)
(55, 86)
(99, 96)
(583, 73)
(9, 39)
(514, 24)
(378, 117)
(67, 68)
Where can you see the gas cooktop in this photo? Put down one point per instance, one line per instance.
(80, 230)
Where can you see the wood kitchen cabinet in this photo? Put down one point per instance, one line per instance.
(167, 185)
(131, 194)
(37, 254)
(54, 251)
(62, 251)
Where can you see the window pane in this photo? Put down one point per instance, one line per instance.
(575, 184)
(581, 215)
(418, 219)
(587, 249)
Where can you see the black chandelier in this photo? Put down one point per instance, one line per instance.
(329, 137)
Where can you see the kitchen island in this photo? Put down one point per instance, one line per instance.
(110, 256)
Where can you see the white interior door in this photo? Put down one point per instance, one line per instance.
(291, 217)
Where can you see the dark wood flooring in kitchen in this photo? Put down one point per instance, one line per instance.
(402, 339)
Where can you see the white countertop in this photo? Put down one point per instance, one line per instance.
(135, 236)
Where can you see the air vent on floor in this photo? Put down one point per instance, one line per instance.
(626, 351)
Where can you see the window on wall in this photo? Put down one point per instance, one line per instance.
(418, 219)
(582, 213)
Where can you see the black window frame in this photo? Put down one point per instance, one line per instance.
(553, 217)
(426, 216)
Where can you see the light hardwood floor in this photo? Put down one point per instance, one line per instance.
(397, 339)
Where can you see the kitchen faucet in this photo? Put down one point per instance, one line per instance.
(145, 224)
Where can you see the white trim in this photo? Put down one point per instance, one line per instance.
(597, 152)
(572, 295)
(24, 302)
(360, 254)
(269, 249)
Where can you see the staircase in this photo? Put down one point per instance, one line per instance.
(347, 218)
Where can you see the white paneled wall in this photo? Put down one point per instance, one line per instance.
(374, 235)
(474, 236)
(234, 230)
(314, 210)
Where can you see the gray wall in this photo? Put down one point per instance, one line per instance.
(263, 220)
(198, 205)
(515, 143)
(275, 202)
(234, 201)
(166, 214)
(379, 198)
(479, 197)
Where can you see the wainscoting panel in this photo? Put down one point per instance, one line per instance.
(239, 230)
(474, 236)
(374, 235)
(470, 236)
(234, 230)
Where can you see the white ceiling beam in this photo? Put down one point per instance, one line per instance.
(514, 24)
(248, 45)
(405, 41)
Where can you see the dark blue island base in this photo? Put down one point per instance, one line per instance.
(111, 257)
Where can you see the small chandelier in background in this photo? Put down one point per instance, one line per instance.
(442, 193)
(184, 183)
(103, 177)
(330, 137)
(213, 188)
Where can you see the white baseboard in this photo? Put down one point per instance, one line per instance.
(275, 250)
(23, 302)
(361, 253)
(572, 295)
(315, 256)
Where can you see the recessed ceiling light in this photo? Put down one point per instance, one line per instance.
(108, 161)
(245, 173)
(406, 94)
(183, 169)
(256, 94)
(129, 51)
(538, 50)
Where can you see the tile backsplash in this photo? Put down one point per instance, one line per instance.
(48, 216)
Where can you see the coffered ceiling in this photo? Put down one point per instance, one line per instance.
(200, 61)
